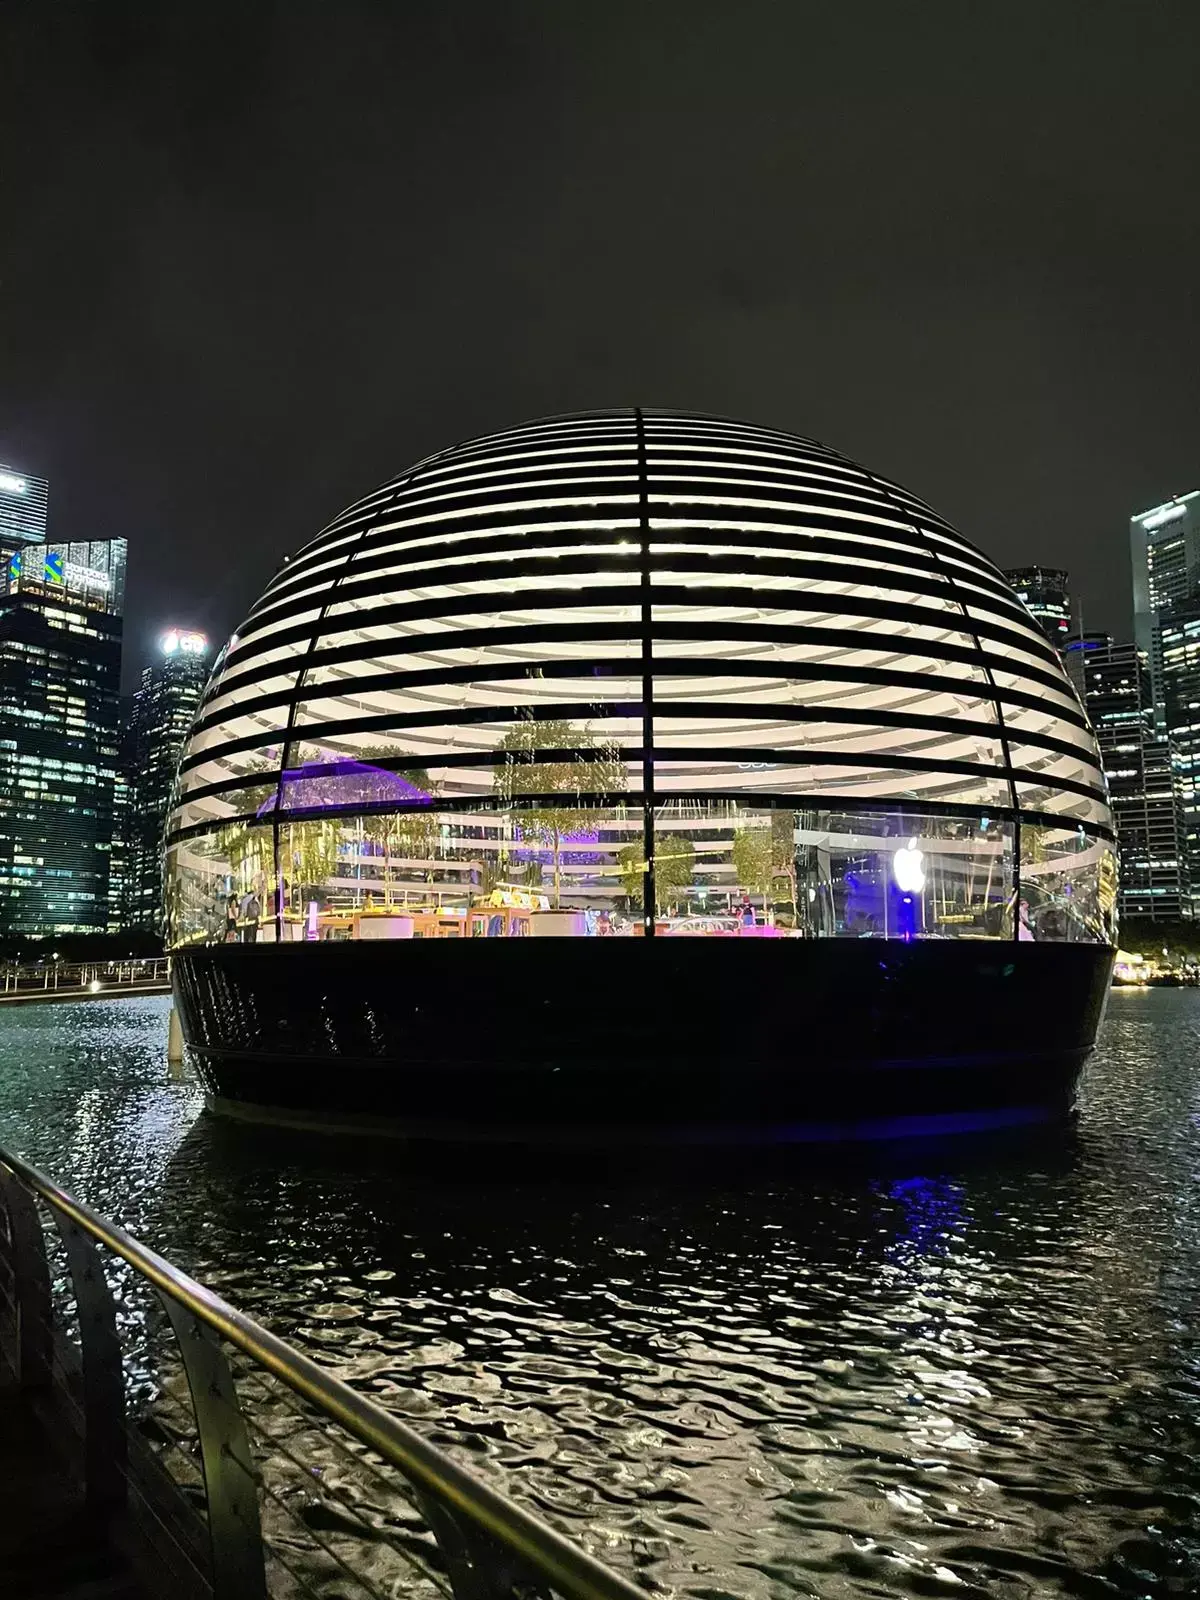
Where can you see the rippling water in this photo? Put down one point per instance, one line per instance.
(949, 1373)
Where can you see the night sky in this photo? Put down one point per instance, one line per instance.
(255, 259)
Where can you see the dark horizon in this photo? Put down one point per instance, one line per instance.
(258, 262)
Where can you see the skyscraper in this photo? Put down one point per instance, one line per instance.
(162, 713)
(1178, 633)
(118, 860)
(1113, 680)
(60, 665)
(1164, 549)
(1045, 593)
(22, 507)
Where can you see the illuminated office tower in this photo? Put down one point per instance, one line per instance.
(60, 666)
(1045, 594)
(1179, 637)
(22, 507)
(1113, 681)
(162, 714)
(1164, 549)
(118, 861)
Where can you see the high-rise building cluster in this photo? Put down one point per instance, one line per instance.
(1143, 698)
(85, 777)
(160, 716)
(86, 774)
(1046, 594)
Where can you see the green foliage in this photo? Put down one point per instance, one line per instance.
(493, 871)
(412, 834)
(783, 843)
(249, 848)
(309, 852)
(783, 859)
(761, 854)
(598, 772)
(674, 867)
(632, 861)
(590, 769)
(1141, 936)
(674, 870)
(753, 859)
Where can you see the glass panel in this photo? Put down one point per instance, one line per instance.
(1068, 886)
(841, 780)
(244, 779)
(464, 744)
(414, 874)
(218, 887)
(1064, 803)
(722, 869)
(1061, 696)
(893, 876)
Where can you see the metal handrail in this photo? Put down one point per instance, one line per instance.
(54, 976)
(479, 1509)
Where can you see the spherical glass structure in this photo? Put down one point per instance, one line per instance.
(645, 674)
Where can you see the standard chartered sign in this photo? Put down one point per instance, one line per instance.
(86, 577)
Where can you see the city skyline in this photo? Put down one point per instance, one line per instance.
(1151, 765)
(1046, 590)
(469, 224)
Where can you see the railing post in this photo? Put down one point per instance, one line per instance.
(104, 1452)
(230, 1475)
(29, 1274)
(477, 1568)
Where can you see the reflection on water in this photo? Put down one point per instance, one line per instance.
(937, 1374)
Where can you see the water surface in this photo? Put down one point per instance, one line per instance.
(947, 1372)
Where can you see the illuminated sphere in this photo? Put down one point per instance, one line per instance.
(714, 630)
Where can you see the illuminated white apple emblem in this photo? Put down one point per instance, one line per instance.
(908, 866)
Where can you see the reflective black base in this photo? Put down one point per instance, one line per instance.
(689, 1039)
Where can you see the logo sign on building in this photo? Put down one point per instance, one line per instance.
(86, 577)
(1159, 518)
(11, 485)
(74, 575)
(177, 641)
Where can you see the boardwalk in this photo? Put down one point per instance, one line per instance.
(50, 1546)
(82, 980)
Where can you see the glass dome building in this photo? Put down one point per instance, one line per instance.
(793, 795)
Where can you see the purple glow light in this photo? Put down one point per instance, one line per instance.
(342, 785)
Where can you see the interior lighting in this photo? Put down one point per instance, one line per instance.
(11, 485)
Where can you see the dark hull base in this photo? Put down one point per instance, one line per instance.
(624, 1041)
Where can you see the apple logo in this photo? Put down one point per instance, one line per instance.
(908, 866)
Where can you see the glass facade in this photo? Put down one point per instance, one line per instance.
(160, 717)
(1164, 548)
(639, 675)
(1113, 680)
(60, 666)
(1045, 593)
(23, 502)
(1179, 639)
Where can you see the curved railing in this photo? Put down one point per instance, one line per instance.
(489, 1546)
